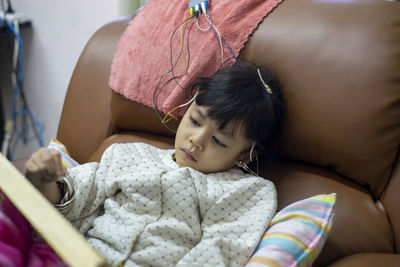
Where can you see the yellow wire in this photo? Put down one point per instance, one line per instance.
(165, 120)
(169, 112)
(166, 115)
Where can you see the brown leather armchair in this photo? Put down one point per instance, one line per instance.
(339, 65)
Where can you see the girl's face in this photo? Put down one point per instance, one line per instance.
(201, 145)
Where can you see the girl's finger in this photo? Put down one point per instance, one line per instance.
(34, 171)
(48, 163)
(60, 169)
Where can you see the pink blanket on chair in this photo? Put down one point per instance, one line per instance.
(144, 52)
(17, 245)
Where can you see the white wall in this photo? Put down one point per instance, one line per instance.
(60, 30)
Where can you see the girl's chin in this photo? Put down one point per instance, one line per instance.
(183, 162)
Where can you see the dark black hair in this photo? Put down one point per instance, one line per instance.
(237, 93)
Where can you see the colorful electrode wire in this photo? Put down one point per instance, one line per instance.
(195, 12)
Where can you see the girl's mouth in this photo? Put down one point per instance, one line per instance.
(188, 155)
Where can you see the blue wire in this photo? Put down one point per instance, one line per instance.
(21, 70)
(26, 112)
(20, 137)
(210, 24)
(17, 91)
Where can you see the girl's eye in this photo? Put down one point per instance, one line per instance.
(218, 142)
(194, 122)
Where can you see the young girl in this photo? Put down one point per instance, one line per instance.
(188, 206)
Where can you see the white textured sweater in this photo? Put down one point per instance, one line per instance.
(139, 208)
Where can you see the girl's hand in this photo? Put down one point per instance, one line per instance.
(44, 166)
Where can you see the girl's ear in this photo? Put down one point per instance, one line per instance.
(253, 153)
(245, 157)
(249, 155)
(253, 156)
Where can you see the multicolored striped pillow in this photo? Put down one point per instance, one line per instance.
(296, 234)
(66, 159)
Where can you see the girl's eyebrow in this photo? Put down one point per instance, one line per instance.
(227, 134)
(204, 116)
(197, 109)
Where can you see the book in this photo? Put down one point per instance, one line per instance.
(58, 232)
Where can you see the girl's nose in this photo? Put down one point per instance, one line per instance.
(197, 139)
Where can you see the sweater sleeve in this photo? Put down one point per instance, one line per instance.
(233, 226)
(88, 183)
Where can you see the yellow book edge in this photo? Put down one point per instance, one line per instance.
(64, 239)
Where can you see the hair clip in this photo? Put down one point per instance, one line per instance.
(269, 90)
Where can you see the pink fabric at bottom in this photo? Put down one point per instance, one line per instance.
(10, 256)
(17, 246)
(41, 255)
